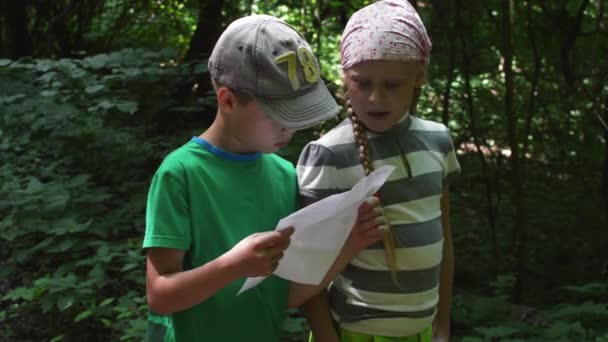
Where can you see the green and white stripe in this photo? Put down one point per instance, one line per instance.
(364, 297)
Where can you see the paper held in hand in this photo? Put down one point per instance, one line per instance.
(320, 232)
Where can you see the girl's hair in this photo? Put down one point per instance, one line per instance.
(361, 141)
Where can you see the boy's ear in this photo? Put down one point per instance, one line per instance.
(225, 99)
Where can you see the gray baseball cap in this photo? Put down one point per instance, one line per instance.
(263, 56)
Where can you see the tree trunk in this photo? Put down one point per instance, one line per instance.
(208, 29)
(475, 132)
(343, 15)
(599, 24)
(533, 87)
(569, 44)
(520, 236)
(605, 178)
(15, 40)
(449, 26)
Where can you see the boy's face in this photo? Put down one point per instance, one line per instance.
(259, 132)
(381, 91)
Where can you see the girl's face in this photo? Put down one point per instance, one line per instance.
(381, 91)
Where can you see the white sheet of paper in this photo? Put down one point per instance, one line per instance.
(320, 231)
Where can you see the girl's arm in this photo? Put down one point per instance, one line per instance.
(442, 320)
(318, 315)
(315, 305)
(316, 310)
(367, 230)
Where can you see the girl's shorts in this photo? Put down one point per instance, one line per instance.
(351, 336)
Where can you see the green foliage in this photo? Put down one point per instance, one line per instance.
(80, 138)
(295, 327)
(152, 24)
(495, 319)
(73, 184)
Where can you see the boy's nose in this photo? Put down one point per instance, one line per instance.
(287, 132)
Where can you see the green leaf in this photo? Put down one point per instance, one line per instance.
(93, 89)
(57, 202)
(24, 293)
(57, 338)
(66, 244)
(589, 289)
(563, 329)
(79, 180)
(128, 267)
(11, 99)
(294, 324)
(105, 104)
(65, 302)
(97, 273)
(588, 308)
(127, 107)
(43, 244)
(472, 339)
(66, 225)
(98, 61)
(6, 270)
(48, 93)
(86, 313)
(499, 331)
(106, 302)
(44, 65)
(47, 77)
(5, 62)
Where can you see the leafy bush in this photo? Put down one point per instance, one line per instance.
(77, 156)
(495, 319)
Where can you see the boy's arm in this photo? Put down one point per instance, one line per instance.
(442, 320)
(170, 289)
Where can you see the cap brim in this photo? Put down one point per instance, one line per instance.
(301, 111)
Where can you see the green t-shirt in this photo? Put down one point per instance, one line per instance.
(204, 201)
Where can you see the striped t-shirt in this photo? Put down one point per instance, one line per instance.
(364, 297)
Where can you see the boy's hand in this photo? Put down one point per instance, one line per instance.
(370, 226)
(259, 253)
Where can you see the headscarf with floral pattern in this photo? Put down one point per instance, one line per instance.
(385, 30)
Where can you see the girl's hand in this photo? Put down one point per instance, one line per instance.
(370, 226)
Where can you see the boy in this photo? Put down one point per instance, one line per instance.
(212, 200)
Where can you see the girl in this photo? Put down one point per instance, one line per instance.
(398, 290)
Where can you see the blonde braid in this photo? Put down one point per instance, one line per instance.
(415, 99)
(363, 147)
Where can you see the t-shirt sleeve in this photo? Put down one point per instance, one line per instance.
(167, 212)
(316, 174)
(452, 167)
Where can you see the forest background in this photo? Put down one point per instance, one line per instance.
(94, 93)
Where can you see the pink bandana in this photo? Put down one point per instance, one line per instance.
(385, 30)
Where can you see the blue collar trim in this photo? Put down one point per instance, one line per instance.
(225, 154)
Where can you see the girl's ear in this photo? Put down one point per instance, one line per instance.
(343, 78)
(421, 78)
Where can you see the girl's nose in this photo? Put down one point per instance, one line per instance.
(375, 95)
